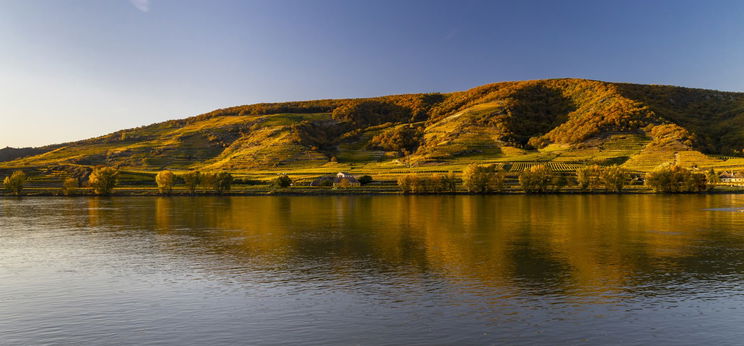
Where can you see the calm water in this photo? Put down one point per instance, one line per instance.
(632, 269)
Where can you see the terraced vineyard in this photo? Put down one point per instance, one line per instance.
(517, 167)
(562, 123)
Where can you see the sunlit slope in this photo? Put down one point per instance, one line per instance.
(571, 121)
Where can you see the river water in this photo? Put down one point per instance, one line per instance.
(373, 270)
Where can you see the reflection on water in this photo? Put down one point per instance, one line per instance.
(373, 270)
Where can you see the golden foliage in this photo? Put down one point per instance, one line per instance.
(69, 186)
(191, 180)
(437, 183)
(402, 138)
(165, 180)
(613, 177)
(536, 179)
(483, 178)
(673, 179)
(15, 182)
(103, 180)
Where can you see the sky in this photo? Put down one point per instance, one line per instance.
(75, 69)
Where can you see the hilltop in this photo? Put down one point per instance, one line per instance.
(565, 122)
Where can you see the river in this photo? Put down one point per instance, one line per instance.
(373, 270)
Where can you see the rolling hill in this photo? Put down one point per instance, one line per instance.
(566, 122)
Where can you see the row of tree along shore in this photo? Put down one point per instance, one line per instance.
(474, 179)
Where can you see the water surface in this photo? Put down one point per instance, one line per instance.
(557, 269)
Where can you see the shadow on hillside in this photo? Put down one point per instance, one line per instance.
(714, 117)
(535, 110)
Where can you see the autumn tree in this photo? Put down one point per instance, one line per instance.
(15, 182)
(536, 179)
(282, 181)
(712, 179)
(165, 180)
(448, 182)
(207, 181)
(483, 178)
(587, 178)
(405, 138)
(222, 182)
(407, 183)
(613, 177)
(423, 184)
(103, 180)
(191, 180)
(365, 179)
(558, 182)
(673, 179)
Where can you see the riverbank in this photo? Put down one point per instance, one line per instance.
(253, 190)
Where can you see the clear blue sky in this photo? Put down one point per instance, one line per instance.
(73, 69)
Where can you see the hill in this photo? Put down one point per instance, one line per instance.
(566, 122)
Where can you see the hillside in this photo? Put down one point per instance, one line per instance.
(564, 121)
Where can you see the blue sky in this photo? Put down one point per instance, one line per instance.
(73, 69)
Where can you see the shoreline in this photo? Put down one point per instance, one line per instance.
(342, 192)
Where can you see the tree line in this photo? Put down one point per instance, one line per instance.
(475, 178)
(103, 180)
(541, 179)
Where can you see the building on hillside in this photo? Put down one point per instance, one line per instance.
(343, 179)
(731, 177)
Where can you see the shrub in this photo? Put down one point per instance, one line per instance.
(15, 182)
(365, 179)
(343, 183)
(103, 180)
(165, 180)
(536, 179)
(191, 179)
(282, 181)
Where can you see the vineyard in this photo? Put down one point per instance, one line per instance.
(517, 167)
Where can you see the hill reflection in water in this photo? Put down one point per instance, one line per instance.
(425, 269)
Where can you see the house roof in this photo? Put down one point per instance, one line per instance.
(731, 175)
